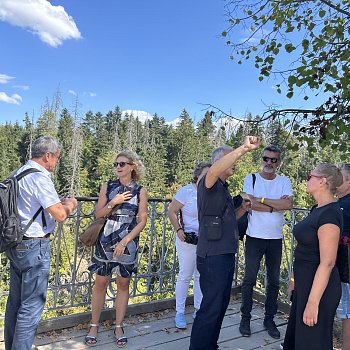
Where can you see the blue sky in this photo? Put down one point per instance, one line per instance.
(157, 56)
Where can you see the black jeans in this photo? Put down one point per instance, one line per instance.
(255, 249)
(216, 274)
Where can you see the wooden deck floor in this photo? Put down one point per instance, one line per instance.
(157, 331)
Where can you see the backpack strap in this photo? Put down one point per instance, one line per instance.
(26, 172)
(19, 177)
(253, 179)
(34, 217)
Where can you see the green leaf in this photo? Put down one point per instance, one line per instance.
(289, 48)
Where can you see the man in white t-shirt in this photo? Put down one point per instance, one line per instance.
(270, 196)
(30, 260)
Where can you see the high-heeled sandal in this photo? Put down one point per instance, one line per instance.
(91, 339)
(121, 341)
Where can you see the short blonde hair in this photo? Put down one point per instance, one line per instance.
(332, 173)
(135, 159)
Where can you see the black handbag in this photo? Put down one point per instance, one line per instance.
(343, 261)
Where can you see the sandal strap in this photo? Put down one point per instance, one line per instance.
(94, 325)
(121, 340)
(90, 337)
(118, 326)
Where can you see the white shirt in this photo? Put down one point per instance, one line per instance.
(35, 190)
(187, 196)
(267, 225)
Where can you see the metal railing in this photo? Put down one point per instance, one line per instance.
(70, 283)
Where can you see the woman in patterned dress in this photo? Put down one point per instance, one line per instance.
(124, 203)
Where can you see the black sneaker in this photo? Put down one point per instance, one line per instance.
(244, 327)
(272, 330)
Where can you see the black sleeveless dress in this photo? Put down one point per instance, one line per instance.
(299, 336)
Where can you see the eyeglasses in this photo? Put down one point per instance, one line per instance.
(312, 175)
(55, 156)
(121, 164)
(266, 159)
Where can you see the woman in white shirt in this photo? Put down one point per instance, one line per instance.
(183, 216)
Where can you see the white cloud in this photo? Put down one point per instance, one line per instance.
(142, 115)
(72, 92)
(175, 123)
(92, 94)
(51, 24)
(14, 99)
(22, 87)
(4, 78)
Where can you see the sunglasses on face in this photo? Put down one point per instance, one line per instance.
(266, 159)
(121, 164)
(312, 175)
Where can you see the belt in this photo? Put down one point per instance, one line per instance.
(47, 236)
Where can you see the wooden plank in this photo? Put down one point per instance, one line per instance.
(154, 331)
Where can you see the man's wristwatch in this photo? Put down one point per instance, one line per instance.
(109, 206)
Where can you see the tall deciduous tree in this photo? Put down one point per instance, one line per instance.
(306, 45)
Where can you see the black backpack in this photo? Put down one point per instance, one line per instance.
(242, 222)
(11, 232)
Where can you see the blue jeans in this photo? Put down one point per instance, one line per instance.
(255, 249)
(29, 274)
(216, 274)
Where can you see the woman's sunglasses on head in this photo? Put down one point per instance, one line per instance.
(121, 164)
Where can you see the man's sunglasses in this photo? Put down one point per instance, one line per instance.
(273, 160)
(121, 164)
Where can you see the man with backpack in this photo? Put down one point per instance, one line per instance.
(270, 195)
(30, 259)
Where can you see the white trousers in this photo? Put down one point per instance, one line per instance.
(187, 269)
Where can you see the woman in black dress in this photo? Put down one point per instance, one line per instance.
(316, 279)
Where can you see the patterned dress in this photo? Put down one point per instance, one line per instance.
(118, 224)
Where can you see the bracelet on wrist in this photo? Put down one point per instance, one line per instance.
(292, 279)
(262, 200)
(180, 228)
(271, 208)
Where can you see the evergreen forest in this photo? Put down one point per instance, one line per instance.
(169, 152)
